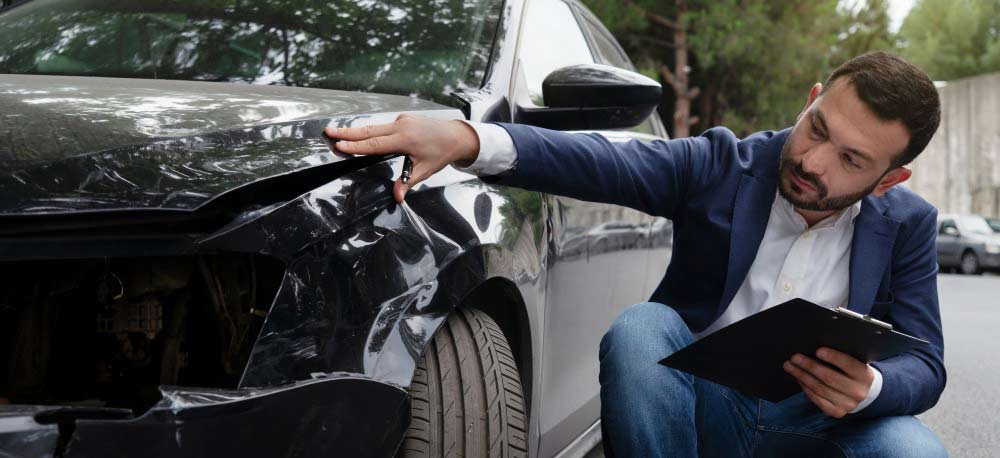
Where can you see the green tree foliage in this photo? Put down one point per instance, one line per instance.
(865, 27)
(753, 61)
(953, 39)
(759, 59)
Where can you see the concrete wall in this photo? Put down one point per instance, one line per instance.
(960, 170)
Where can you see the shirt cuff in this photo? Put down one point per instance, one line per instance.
(873, 391)
(496, 150)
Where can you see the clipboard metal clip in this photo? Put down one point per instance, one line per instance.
(851, 313)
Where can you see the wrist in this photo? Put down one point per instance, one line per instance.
(468, 146)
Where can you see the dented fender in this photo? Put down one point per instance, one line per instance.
(369, 281)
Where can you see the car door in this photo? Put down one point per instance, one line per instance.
(657, 236)
(597, 263)
(947, 245)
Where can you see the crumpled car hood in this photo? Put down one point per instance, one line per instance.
(70, 144)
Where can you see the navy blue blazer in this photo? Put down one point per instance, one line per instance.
(718, 191)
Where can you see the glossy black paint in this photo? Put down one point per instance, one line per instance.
(597, 85)
(77, 144)
(592, 97)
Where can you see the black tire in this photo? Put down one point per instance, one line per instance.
(970, 264)
(466, 394)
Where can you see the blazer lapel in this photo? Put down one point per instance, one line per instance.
(871, 249)
(751, 211)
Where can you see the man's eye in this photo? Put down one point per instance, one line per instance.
(850, 161)
(816, 132)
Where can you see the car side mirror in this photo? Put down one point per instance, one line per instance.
(950, 231)
(592, 97)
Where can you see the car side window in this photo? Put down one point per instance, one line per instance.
(611, 53)
(608, 50)
(553, 40)
(947, 224)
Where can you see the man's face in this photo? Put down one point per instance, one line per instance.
(839, 152)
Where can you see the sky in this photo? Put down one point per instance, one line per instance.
(897, 12)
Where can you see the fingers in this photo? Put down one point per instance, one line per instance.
(824, 374)
(360, 133)
(833, 394)
(853, 367)
(825, 405)
(430, 143)
(421, 171)
(374, 145)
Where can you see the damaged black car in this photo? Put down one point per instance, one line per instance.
(189, 269)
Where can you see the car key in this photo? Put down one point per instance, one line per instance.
(407, 169)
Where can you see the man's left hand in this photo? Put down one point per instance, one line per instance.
(835, 393)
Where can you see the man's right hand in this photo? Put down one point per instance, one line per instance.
(432, 144)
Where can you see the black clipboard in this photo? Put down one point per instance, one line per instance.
(748, 355)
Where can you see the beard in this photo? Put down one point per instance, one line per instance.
(824, 202)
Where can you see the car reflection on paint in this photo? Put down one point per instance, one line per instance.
(189, 269)
(657, 233)
(614, 236)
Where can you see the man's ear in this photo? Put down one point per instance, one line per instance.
(813, 94)
(894, 177)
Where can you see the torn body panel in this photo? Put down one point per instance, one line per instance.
(369, 281)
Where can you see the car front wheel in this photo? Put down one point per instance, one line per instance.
(970, 263)
(466, 394)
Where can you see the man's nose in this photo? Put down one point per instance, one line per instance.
(817, 159)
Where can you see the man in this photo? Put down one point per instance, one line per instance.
(812, 212)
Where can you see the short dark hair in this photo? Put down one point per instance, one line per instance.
(895, 89)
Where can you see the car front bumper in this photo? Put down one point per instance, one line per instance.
(337, 415)
(990, 261)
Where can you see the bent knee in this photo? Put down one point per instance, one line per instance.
(919, 441)
(649, 325)
(902, 436)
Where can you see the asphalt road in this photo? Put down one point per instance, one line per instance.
(967, 418)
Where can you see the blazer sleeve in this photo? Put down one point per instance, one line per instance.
(654, 177)
(913, 382)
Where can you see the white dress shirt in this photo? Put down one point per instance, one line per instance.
(793, 260)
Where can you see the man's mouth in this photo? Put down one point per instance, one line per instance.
(802, 184)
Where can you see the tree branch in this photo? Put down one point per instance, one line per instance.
(671, 79)
(664, 43)
(653, 16)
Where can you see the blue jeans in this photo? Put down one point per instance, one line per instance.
(650, 410)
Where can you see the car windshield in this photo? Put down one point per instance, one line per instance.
(995, 224)
(975, 225)
(425, 48)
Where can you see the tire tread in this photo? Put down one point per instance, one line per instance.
(466, 394)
